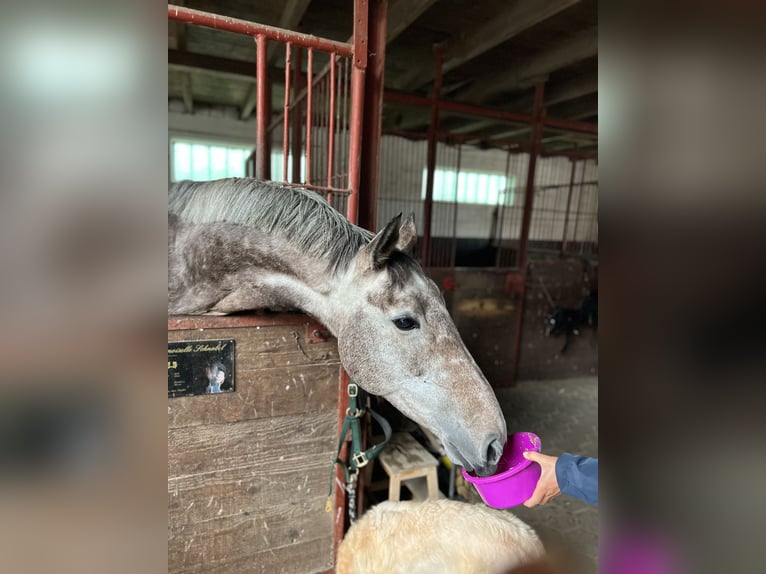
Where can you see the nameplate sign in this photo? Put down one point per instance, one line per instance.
(200, 367)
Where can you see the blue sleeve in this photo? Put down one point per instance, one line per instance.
(578, 477)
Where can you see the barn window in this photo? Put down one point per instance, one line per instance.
(202, 161)
(278, 162)
(471, 187)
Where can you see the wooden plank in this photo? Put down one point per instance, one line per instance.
(262, 393)
(308, 557)
(271, 347)
(254, 319)
(227, 495)
(240, 536)
(249, 496)
(281, 442)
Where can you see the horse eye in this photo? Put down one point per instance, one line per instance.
(406, 323)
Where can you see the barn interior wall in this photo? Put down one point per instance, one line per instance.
(401, 189)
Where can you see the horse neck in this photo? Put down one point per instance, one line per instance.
(289, 278)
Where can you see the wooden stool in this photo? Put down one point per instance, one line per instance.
(408, 463)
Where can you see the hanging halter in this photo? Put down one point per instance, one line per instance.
(358, 457)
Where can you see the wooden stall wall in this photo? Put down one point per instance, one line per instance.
(484, 314)
(248, 471)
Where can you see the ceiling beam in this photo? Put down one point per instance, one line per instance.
(579, 47)
(516, 18)
(572, 89)
(402, 13)
(219, 66)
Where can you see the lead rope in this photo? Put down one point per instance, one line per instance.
(359, 458)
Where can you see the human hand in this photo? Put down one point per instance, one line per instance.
(547, 487)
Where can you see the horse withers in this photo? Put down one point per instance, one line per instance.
(242, 244)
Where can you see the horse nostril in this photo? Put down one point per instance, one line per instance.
(494, 452)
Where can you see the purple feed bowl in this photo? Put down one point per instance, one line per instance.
(516, 477)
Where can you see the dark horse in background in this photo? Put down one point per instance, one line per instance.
(569, 322)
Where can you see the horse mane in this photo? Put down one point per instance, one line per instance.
(301, 217)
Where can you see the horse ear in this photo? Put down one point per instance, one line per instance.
(408, 235)
(375, 253)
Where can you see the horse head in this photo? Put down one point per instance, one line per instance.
(397, 340)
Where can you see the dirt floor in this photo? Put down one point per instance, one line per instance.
(564, 414)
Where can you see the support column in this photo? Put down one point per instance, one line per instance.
(529, 195)
(433, 130)
(373, 113)
(261, 117)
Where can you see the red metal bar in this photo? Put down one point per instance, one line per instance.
(455, 207)
(297, 117)
(325, 98)
(286, 119)
(358, 71)
(344, 124)
(537, 132)
(331, 129)
(269, 135)
(238, 26)
(260, 113)
(473, 110)
(373, 115)
(431, 159)
(569, 203)
(309, 115)
(571, 126)
(515, 146)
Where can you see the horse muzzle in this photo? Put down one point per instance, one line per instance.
(482, 461)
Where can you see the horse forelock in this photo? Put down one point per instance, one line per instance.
(401, 268)
(301, 217)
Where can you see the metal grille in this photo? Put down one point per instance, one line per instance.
(319, 128)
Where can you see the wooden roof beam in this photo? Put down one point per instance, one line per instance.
(402, 13)
(575, 49)
(516, 18)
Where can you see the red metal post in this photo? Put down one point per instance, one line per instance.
(297, 148)
(453, 255)
(537, 132)
(569, 203)
(529, 194)
(357, 107)
(286, 118)
(261, 118)
(309, 115)
(331, 128)
(431, 159)
(373, 114)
